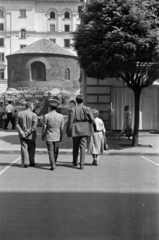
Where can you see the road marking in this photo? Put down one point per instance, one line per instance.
(150, 161)
(5, 169)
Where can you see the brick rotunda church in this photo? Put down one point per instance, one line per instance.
(42, 64)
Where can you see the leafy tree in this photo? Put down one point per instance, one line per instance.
(119, 38)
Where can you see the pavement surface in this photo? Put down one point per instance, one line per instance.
(116, 200)
(148, 143)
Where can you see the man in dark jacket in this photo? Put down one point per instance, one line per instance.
(26, 123)
(80, 127)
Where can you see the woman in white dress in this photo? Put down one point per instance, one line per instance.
(96, 146)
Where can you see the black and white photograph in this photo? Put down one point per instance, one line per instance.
(79, 120)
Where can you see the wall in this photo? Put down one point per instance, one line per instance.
(55, 71)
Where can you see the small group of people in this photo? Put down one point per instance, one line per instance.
(84, 126)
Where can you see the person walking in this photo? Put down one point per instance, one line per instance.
(9, 109)
(96, 146)
(52, 131)
(80, 127)
(127, 123)
(26, 123)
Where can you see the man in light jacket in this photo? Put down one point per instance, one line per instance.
(80, 127)
(26, 123)
(52, 130)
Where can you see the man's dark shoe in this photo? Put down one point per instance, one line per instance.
(52, 168)
(75, 164)
(25, 166)
(32, 164)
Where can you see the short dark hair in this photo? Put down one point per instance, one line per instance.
(79, 99)
(53, 107)
(9, 101)
(28, 104)
(126, 108)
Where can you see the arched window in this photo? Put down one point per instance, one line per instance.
(67, 15)
(38, 71)
(67, 74)
(23, 33)
(52, 15)
(1, 13)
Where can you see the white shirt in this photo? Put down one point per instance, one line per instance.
(99, 124)
(9, 108)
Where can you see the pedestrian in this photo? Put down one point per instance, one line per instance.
(96, 146)
(52, 131)
(80, 127)
(127, 123)
(71, 104)
(26, 123)
(15, 114)
(9, 109)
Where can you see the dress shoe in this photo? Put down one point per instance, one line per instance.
(52, 168)
(25, 166)
(32, 164)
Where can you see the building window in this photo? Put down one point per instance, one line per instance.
(67, 15)
(22, 46)
(67, 28)
(1, 26)
(23, 13)
(67, 74)
(52, 27)
(67, 43)
(53, 40)
(1, 57)
(23, 33)
(1, 42)
(52, 15)
(2, 74)
(1, 14)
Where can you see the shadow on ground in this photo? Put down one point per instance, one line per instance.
(78, 216)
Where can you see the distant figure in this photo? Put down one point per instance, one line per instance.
(26, 123)
(80, 127)
(96, 146)
(15, 114)
(52, 131)
(71, 104)
(127, 122)
(9, 112)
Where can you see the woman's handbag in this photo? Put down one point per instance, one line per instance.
(106, 147)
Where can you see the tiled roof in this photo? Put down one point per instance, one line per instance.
(44, 46)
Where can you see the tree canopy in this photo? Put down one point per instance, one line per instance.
(119, 38)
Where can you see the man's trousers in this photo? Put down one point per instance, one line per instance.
(53, 151)
(79, 143)
(27, 151)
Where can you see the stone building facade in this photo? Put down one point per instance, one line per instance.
(43, 64)
(23, 22)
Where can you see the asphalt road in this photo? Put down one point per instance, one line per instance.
(118, 200)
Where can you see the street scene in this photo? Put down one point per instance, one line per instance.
(79, 120)
(118, 199)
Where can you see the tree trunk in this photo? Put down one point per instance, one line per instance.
(137, 93)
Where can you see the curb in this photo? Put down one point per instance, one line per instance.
(69, 152)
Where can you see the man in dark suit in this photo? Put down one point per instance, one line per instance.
(80, 127)
(26, 123)
(52, 130)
